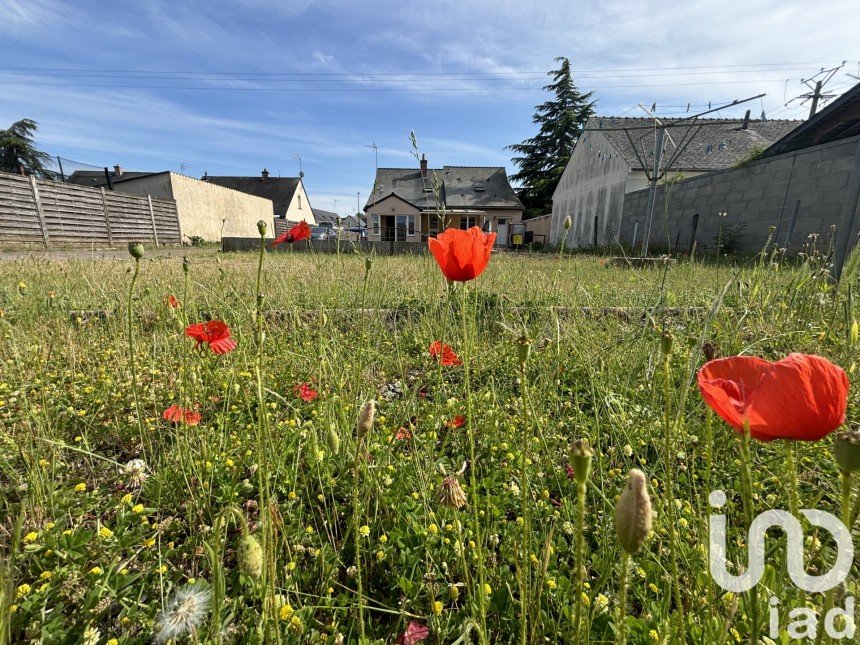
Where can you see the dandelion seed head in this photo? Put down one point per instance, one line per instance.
(183, 614)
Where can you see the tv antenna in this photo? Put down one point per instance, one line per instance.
(375, 149)
(183, 166)
(301, 172)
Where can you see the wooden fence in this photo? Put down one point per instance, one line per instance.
(48, 213)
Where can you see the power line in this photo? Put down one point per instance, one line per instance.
(716, 69)
(378, 89)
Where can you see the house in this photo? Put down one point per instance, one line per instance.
(289, 200)
(610, 160)
(205, 211)
(412, 204)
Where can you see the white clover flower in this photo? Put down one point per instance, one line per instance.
(183, 614)
(135, 472)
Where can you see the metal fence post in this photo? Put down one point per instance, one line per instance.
(39, 212)
(107, 218)
(152, 218)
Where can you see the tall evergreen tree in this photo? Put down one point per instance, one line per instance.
(18, 149)
(542, 158)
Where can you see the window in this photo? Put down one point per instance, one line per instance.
(467, 221)
(300, 202)
(374, 224)
(433, 224)
(403, 225)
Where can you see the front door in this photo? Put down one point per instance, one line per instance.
(502, 231)
(388, 230)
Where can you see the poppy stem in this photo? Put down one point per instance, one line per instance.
(526, 554)
(747, 488)
(132, 357)
(580, 564)
(791, 463)
(473, 481)
(621, 621)
(670, 495)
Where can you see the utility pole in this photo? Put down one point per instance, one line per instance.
(815, 94)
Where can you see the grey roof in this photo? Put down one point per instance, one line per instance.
(714, 144)
(278, 189)
(839, 120)
(96, 178)
(323, 217)
(474, 187)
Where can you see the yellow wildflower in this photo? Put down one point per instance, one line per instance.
(23, 590)
(96, 571)
(32, 536)
(81, 488)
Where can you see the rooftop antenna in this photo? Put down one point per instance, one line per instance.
(301, 173)
(183, 166)
(375, 149)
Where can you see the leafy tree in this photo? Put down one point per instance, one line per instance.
(542, 158)
(18, 149)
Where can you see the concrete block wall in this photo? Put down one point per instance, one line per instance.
(813, 182)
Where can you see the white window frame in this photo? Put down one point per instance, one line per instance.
(470, 221)
(404, 226)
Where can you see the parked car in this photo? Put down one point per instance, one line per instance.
(323, 233)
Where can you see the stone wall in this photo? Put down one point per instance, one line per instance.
(798, 193)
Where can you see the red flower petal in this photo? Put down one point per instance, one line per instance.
(457, 422)
(444, 353)
(801, 397)
(297, 233)
(462, 255)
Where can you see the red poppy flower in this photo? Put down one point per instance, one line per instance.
(176, 414)
(801, 397)
(456, 422)
(171, 301)
(462, 255)
(445, 354)
(415, 633)
(305, 392)
(214, 333)
(297, 233)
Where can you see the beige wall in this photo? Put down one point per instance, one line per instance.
(205, 210)
(540, 226)
(299, 209)
(392, 206)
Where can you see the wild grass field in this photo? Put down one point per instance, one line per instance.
(273, 509)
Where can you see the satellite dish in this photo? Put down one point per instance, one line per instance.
(301, 174)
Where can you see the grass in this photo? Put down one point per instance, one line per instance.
(89, 552)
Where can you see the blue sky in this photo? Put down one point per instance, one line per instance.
(111, 82)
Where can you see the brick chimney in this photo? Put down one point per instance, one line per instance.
(117, 170)
(265, 174)
(423, 166)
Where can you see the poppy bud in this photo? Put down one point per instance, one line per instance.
(846, 449)
(249, 554)
(633, 513)
(261, 227)
(368, 263)
(365, 419)
(524, 348)
(186, 265)
(135, 249)
(666, 342)
(580, 460)
(451, 494)
(567, 223)
(333, 439)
